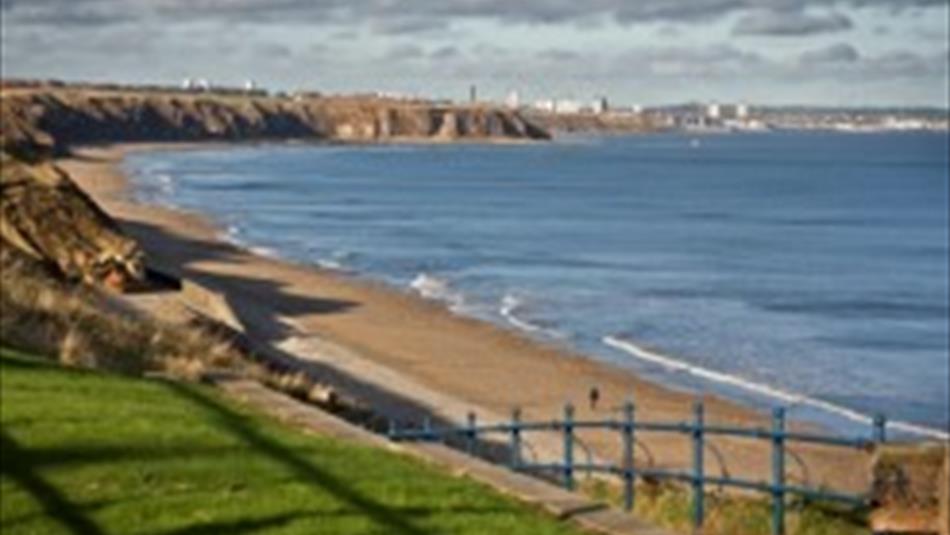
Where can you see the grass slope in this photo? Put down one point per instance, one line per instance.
(84, 452)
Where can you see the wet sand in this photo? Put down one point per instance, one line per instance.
(400, 350)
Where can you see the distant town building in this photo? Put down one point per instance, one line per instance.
(250, 85)
(742, 111)
(201, 84)
(472, 93)
(513, 100)
(567, 106)
(601, 105)
(714, 111)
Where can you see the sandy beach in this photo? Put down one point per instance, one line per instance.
(409, 356)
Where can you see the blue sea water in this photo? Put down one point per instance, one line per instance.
(803, 269)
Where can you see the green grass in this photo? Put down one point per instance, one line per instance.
(86, 452)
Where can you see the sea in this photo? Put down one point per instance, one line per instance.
(800, 269)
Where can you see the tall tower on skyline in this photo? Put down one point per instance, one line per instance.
(472, 93)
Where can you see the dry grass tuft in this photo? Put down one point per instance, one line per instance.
(82, 327)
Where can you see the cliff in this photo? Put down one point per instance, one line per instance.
(44, 215)
(602, 123)
(80, 116)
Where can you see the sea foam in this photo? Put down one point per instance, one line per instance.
(509, 309)
(791, 398)
(437, 289)
(336, 261)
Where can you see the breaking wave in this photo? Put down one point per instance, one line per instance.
(336, 261)
(508, 310)
(436, 289)
(791, 398)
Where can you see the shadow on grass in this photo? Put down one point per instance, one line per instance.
(237, 526)
(17, 466)
(395, 520)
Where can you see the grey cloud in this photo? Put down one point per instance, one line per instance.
(682, 11)
(273, 50)
(445, 52)
(669, 30)
(686, 62)
(58, 13)
(790, 23)
(905, 64)
(319, 49)
(557, 54)
(843, 63)
(491, 50)
(402, 26)
(418, 15)
(404, 52)
(837, 53)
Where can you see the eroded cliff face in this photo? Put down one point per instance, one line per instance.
(603, 123)
(81, 116)
(45, 216)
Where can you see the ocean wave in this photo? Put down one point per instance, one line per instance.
(154, 187)
(264, 251)
(336, 261)
(330, 264)
(508, 310)
(790, 398)
(233, 235)
(436, 289)
(164, 183)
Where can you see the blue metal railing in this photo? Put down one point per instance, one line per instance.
(628, 427)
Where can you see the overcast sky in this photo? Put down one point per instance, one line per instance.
(834, 52)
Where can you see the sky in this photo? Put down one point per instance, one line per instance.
(648, 52)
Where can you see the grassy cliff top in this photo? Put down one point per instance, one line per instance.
(86, 452)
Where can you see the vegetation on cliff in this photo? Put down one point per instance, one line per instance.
(81, 325)
(45, 216)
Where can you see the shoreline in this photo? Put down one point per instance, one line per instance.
(621, 352)
(453, 360)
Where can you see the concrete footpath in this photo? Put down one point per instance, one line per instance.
(588, 514)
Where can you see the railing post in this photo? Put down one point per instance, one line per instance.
(392, 429)
(880, 428)
(516, 438)
(472, 433)
(698, 472)
(569, 447)
(628, 445)
(778, 471)
(427, 428)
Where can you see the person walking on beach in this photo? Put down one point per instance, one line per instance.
(594, 397)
